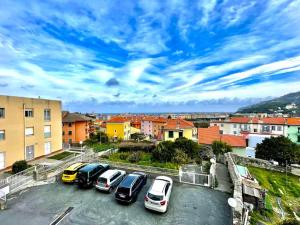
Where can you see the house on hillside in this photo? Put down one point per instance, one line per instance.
(152, 126)
(176, 128)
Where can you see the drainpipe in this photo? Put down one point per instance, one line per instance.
(24, 128)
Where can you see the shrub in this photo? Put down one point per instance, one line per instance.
(104, 156)
(289, 222)
(19, 166)
(206, 152)
(123, 155)
(164, 152)
(198, 160)
(180, 157)
(206, 167)
(134, 147)
(134, 157)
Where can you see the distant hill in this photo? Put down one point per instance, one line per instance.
(289, 103)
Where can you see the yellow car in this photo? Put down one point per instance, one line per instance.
(70, 173)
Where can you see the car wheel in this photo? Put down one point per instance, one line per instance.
(110, 189)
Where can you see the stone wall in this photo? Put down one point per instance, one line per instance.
(237, 190)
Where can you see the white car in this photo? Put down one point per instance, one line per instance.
(109, 180)
(158, 195)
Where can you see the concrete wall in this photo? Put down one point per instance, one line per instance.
(187, 133)
(15, 123)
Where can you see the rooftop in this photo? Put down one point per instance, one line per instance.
(74, 117)
(294, 121)
(174, 124)
(118, 120)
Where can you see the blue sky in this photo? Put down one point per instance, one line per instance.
(150, 56)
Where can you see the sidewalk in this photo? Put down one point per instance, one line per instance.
(224, 182)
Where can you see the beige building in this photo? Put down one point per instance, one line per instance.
(29, 128)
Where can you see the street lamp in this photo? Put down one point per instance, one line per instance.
(81, 149)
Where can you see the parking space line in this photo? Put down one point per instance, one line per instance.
(62, 216)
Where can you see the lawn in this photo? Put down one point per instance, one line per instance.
(280, 188)
(102, 147)
(146, 160)
(61, 155)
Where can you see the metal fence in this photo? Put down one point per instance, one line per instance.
(195, 178)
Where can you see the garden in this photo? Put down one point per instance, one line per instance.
(282, 189)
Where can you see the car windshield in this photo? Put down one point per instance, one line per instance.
(155, 197)
(69, 172)
(102, 180)
(81, 173)
(123, 190)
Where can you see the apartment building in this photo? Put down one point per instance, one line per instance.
(152, 126)
(29, 128)
(76, 127)
(118, 128)
(294, 129)
(274, 126)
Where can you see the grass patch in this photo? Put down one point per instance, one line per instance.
(278, 185)
(103, 147)
(146, 160)
(61, 156)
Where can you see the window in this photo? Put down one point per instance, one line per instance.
(279, 128)
(47, 131)
(167, 188)
(2, 113)
(70, 141)
(29, 152)
(234, 132)
(47, 114)
(234, 125)
(47, 148)
(63, 133)
(298, 129)
(28, 112)
(273, 128)
(255, 130)
(70, 132)
(180, 134)
(2, 135)
(222, 125)
(70, 124)
(29, 131)
(221, 132)
(171, 134)
(298, 139)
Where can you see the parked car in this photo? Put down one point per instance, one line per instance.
(109, 180)
(130, 187)
(70, 173)
(88, 175)
(158, 195)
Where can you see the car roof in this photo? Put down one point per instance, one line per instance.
(158, 186)
(75, 166)
(108, 173)
(129, 179)
(89, 167)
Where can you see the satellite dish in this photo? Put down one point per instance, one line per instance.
(232, 202)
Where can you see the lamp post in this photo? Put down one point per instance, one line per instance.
(81, 149)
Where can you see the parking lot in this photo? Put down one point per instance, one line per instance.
(189, 205)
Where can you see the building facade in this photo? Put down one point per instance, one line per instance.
(29, 128)
(294, 129)
(176, 128)
(118, 128)
(76, 128)
(152, 126)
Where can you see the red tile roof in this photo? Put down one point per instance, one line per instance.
(275, 120)
(293, 121)
(208, 135)
(155, 119)
(174, 124)
(239, 120)
(118, 120)
(233, 140)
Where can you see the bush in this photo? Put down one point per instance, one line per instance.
(134, 157)
(19, 166)
(180, 157)
(164, 152)
(104, 156)
(289, 222)
(206, 167)
(206, 152)
(198, 160)
(134, 147)
(123, 155)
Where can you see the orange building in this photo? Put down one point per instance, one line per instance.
(76, 127)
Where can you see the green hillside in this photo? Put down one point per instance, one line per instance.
(277, 105)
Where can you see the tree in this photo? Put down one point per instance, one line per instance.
(96, 138)
(280, 149)
(206, 152)
(164, 151)
(19, 166)
(219, 148)
(189, 147)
